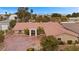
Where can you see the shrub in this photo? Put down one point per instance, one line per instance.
(26, 31)
(61, 43)
(69, 41)
(49, 43)
(1, 32)
(6, 31)
(12, 23)
(72, 48)
(30, 49)
(1, 36)
(40, 31)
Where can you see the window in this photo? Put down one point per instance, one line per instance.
(20, 31)
(15, 17)
(78, 38)
(59, 38)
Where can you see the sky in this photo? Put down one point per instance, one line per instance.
(42, 10)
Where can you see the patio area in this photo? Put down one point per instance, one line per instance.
(21, 42)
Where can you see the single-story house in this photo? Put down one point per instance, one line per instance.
(50, 28)
(74, 19)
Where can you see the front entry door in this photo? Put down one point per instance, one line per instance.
(32, 32)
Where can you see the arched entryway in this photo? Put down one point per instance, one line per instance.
(32, 32)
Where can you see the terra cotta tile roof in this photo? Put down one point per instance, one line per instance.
(50, 28)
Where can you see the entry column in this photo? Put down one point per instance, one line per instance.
(29, 32)
(35, 32)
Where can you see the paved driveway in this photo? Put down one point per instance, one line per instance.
(20, 42)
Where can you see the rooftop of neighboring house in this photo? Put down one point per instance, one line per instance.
(74, 19)
(73, 26)
(50, 28)
(11, 17)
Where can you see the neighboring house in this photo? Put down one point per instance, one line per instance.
(50, 28)
(4, 25)
(74, 19)
(73, 26)
(12, 17)
(4, 16)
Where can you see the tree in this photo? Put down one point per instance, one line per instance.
(75, 14)
(6, 13)
(68, 15)
(23, 14)
(12, 23)
(31, 12)
(28, 16)
(64, 19)
(1, 18)
(34, 16)
(1, 36)
(56, 15)
(46, 19)
(6, 16)
(49, 43)
(55, 19)
(39, 18)
(40, 31)
(26, 31)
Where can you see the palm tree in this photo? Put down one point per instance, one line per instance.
(31, 11)
(6, 13)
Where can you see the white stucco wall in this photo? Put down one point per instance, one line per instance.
(65, 37)
(17, 32)
(4, 27)
(12, 17)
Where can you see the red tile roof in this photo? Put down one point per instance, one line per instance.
(50, 28)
